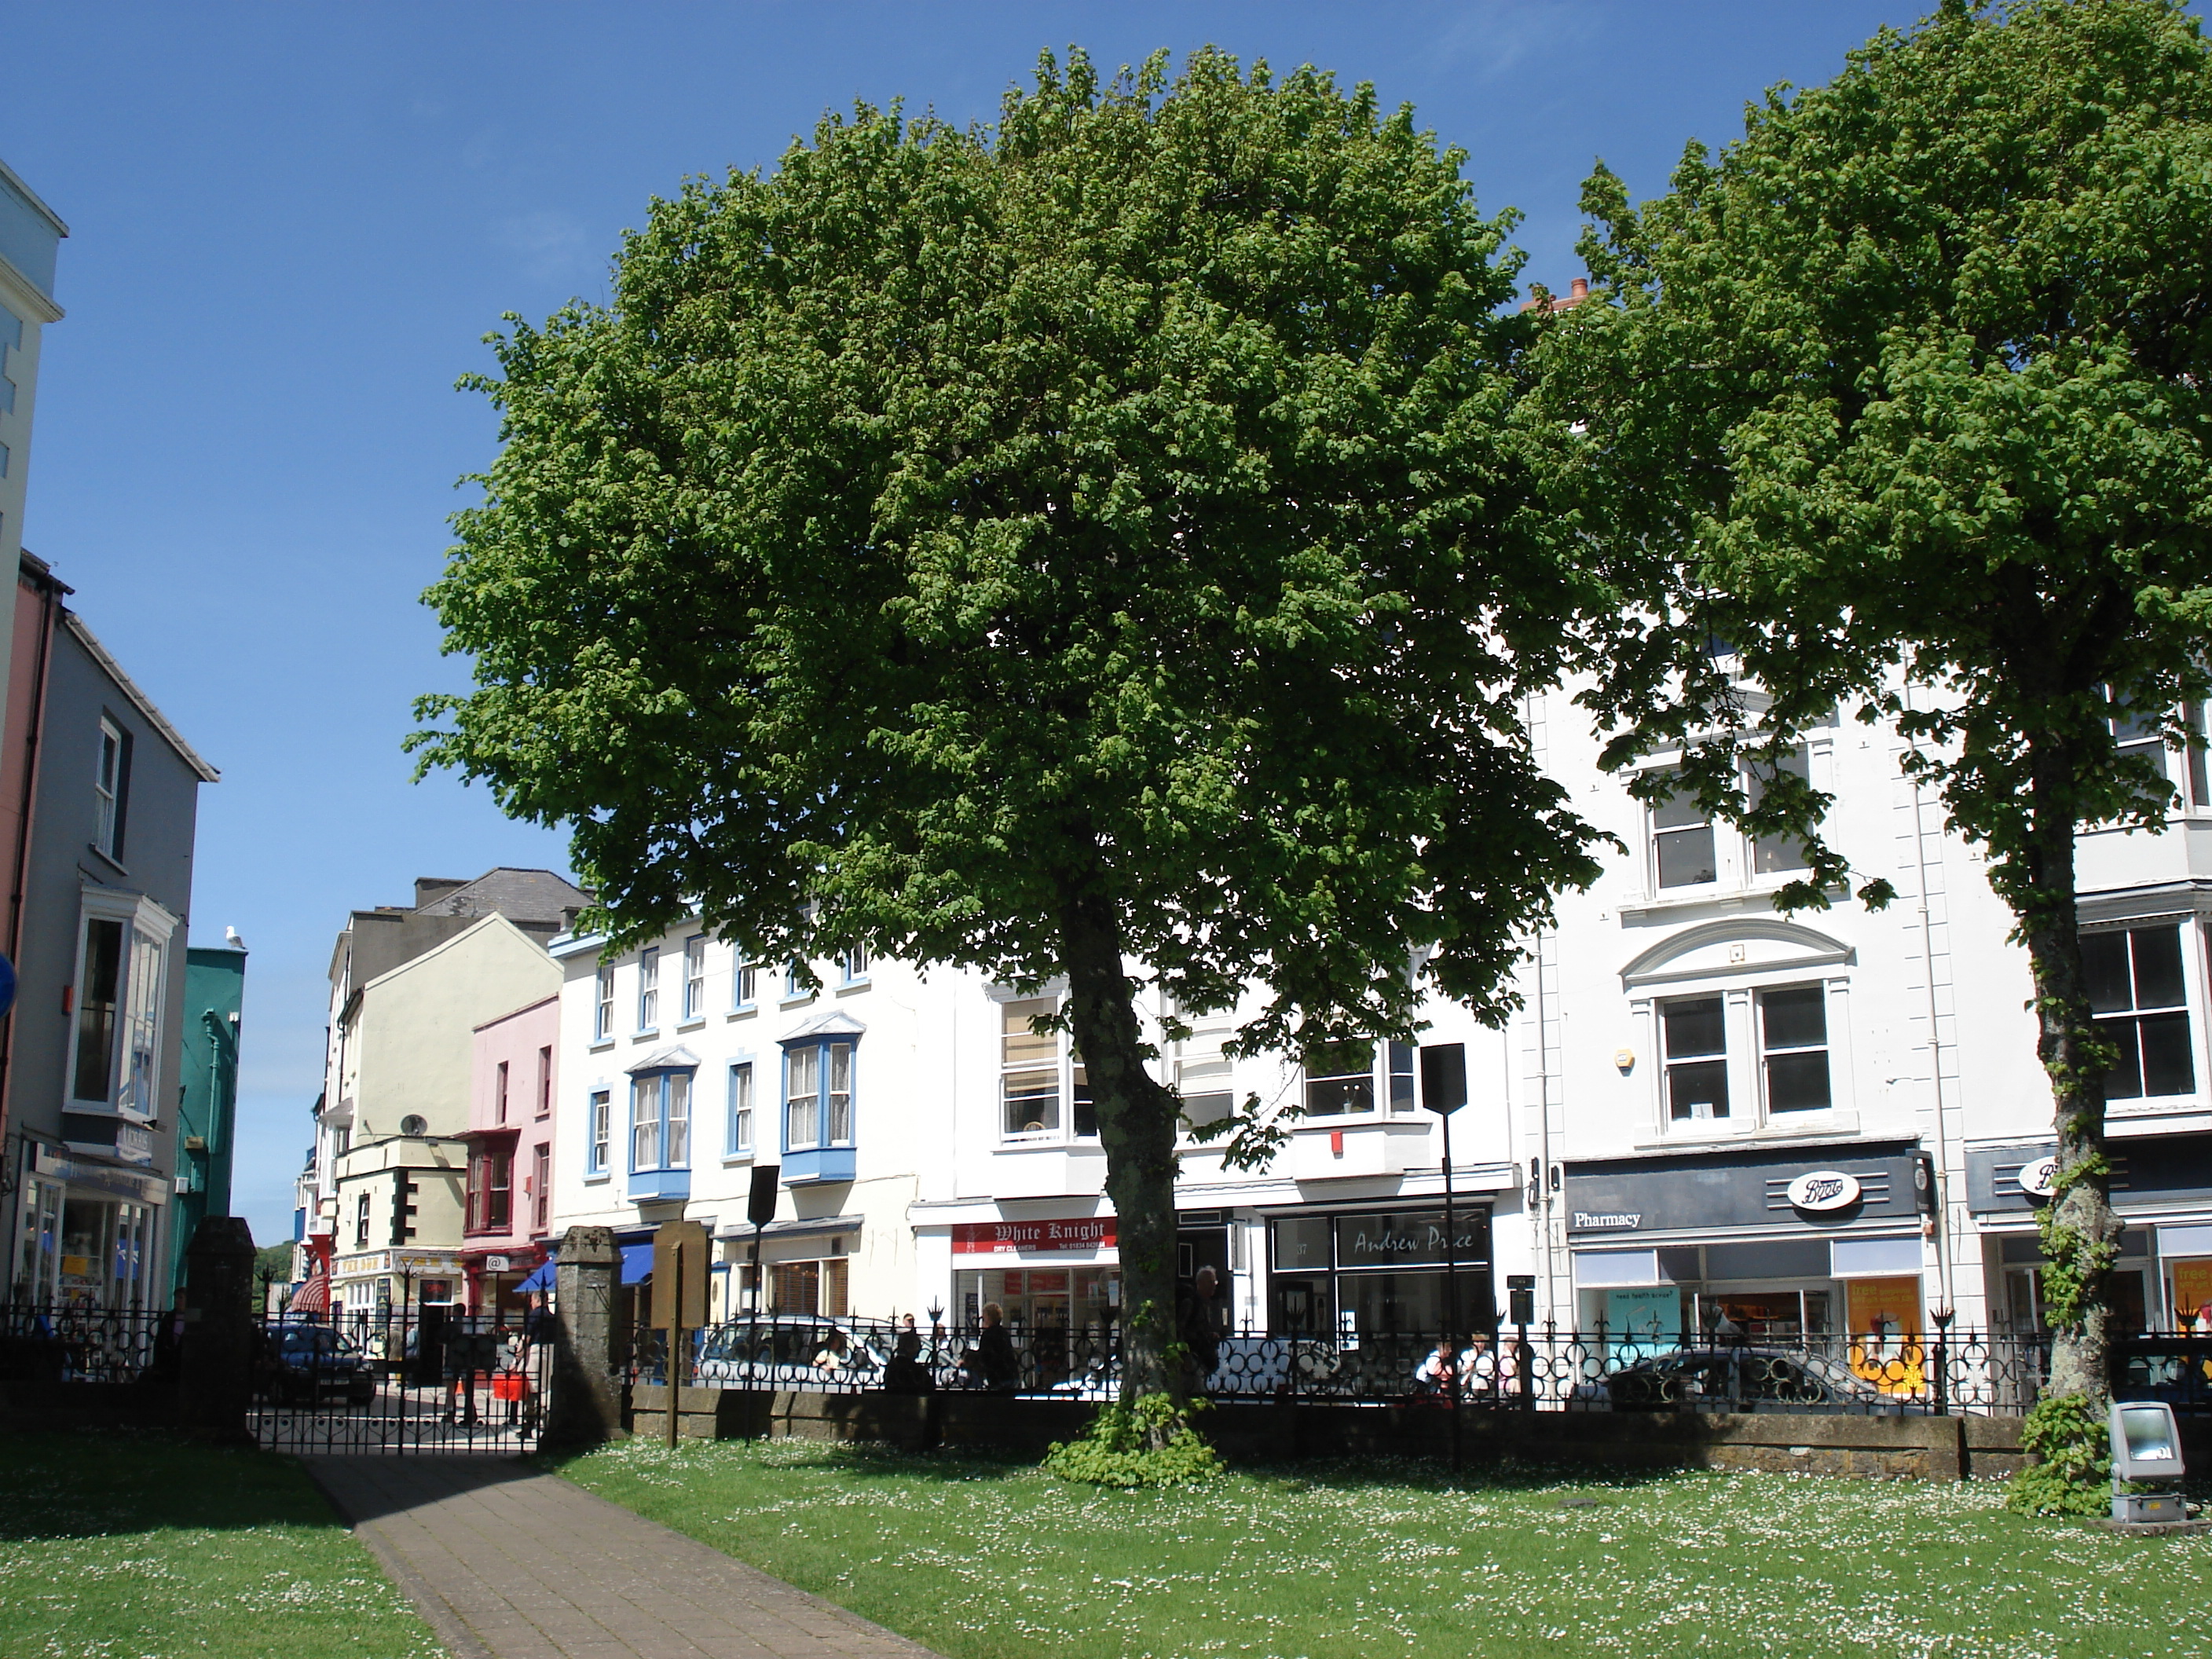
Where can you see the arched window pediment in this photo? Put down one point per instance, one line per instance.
(1738, 945)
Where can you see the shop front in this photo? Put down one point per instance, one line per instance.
(1054, 1275)
(380, 1283)
(87, 1232)
(2161, 1185)
(1379, 1270)
(1796, 1247)
(495, 1279)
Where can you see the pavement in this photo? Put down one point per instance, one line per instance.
(506, 1562)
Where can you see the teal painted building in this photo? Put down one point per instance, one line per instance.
(207, 1112)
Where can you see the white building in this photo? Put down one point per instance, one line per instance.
(1812, 1126)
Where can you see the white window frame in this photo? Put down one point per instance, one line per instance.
(598, 1128)
(648, 989)
(111, 781)
(695, 977)
(660, 1120)
(745, 985)
(1749, 1112)
(827, 1131)
(853, 964)
(143, 973)
(740, 1140)
(1069, 1075)
(2195, 942)
(603, 1004)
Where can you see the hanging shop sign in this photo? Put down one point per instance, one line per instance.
(1093, 1232)
(1822, 1190)
(2038, 1177)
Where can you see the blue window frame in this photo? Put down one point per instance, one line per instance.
(853, 965)
(744, 983)
(820, 1112)
(791, 988)
(660, 1121)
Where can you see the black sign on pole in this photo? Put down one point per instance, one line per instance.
(1443, 1092)
(1443, 1076)
(760, 1210)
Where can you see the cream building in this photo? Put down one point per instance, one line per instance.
(386, 1188)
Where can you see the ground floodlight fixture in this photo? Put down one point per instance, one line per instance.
(2146, 1441)
(2146, 1446)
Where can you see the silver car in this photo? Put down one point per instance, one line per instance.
(792, 1350)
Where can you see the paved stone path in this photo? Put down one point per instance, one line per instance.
(508, 1563)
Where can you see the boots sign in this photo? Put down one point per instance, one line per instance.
(1819, 1191)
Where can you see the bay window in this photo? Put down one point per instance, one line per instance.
(660, 1121)
(1342, 1077)
(1039, 1072)
(818, 1096)
(115, 1051)
(2138, 995)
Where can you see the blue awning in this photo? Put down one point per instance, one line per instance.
(541, 1279)
(637, 1263)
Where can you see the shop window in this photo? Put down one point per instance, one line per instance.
(2136, 991)
(648, 989)
(1695, 1035)
(1793, 1038)
(660, 1121)
(1777, 854)
(1682, 846)
(741, 1108)
(602, 1005)
(601, 1115)
(1339, 1078)
(695, 976)
(813, 1288)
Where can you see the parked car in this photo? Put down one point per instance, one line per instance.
(2174, 1369)
(301, 1365)
(1736, 1379)
(779, 1351)
(1248, 1366)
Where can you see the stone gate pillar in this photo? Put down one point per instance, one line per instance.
(214, 1360)
(583, 1406)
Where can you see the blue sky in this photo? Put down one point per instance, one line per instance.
(292, 224)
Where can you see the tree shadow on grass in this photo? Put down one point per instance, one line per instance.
(91, 1484)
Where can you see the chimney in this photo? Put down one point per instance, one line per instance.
(429, 887)
(1578, 289)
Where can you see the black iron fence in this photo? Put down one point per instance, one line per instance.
(399, 1379)
(1535, 1369)
(63, 1342)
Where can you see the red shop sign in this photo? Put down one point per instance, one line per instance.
(1010, 1237)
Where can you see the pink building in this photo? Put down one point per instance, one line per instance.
(510, 1137)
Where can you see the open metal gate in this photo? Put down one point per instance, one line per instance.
(423, 1380)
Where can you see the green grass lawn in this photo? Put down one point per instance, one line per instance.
(982, 1559)
(124, 1546)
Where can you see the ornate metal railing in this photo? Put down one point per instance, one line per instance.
(63, 1342)
(1535, 1369)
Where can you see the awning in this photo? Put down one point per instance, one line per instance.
(540, 1278)
(637, 1263)
(313, 1297)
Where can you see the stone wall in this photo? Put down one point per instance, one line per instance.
(1920, 1448)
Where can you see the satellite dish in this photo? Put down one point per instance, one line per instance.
(414, 1124)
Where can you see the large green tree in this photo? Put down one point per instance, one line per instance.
(1904, 403)
(1083, 548)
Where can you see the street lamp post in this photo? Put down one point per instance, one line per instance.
(1443, 1092)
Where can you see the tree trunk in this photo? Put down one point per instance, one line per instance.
(1137, 1127)
(2080, 1233)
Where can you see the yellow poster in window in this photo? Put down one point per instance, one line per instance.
(2192, 1290)
(1884, 1316)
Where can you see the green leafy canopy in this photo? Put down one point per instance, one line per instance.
(1910, 393)
(1115, 504)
